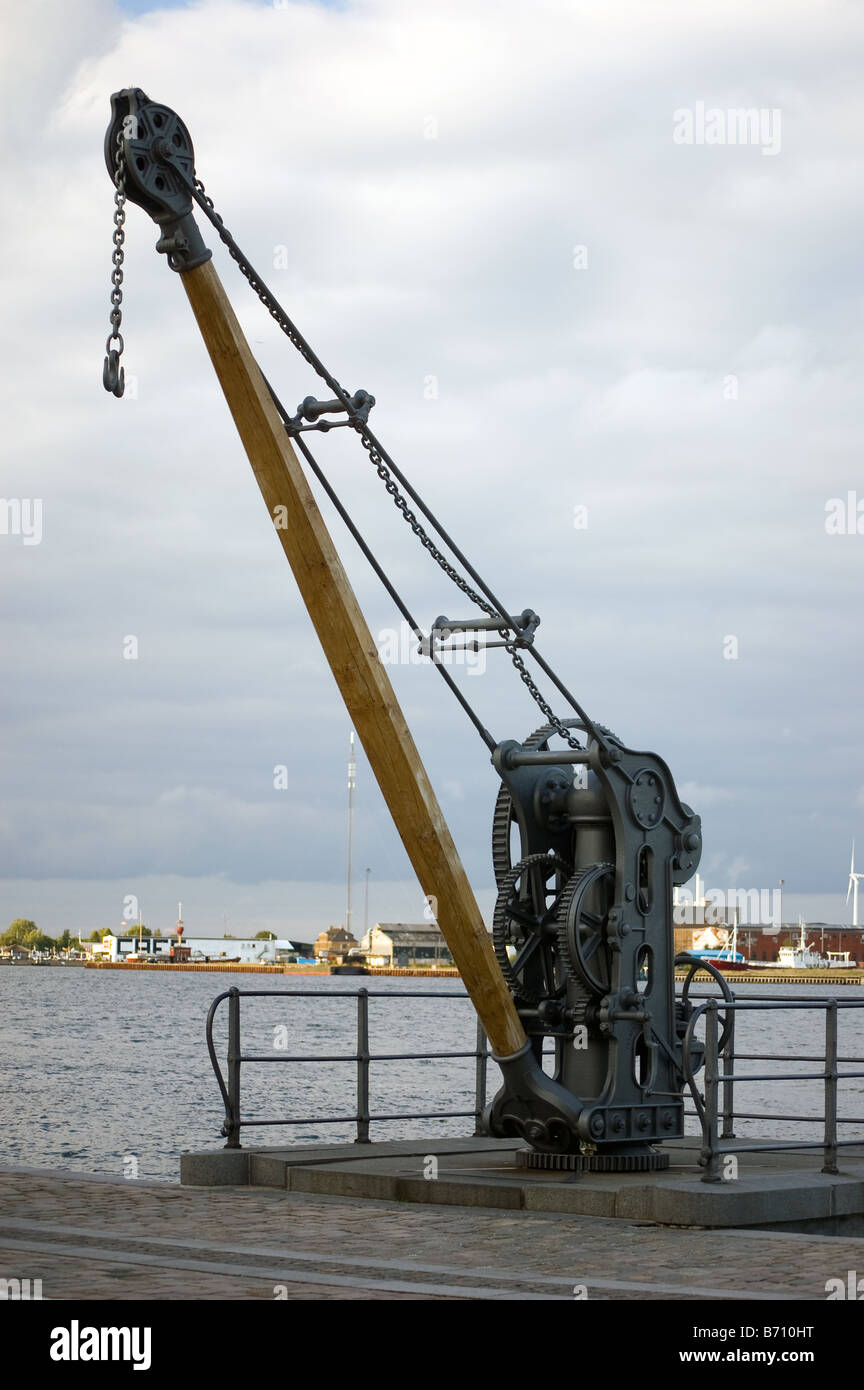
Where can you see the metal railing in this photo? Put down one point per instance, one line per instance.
(718, 1102)
(715, 1108)
(361, 1057)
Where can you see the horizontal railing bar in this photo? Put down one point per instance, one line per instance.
(784, 1057)
(781, 1000)
(309, 1120)
(766, 1115)
(784, 1002)
(351, 994)
(428, 1115)
(796, 1119)
(418, 1056)
(790, 1076)
(781, 1148)
(779, 1076)
(352, 1119)
(320, 1057)
(352, 1057)
(768, 1003)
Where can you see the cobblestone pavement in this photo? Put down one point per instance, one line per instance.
(92, 1238)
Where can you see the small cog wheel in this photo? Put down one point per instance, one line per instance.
(524, 928)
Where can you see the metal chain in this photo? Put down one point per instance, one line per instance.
(113, 375)
(422, 535)
(525, 675)
(390, 484)
(261, 290)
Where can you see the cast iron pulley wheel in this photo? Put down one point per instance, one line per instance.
(524, 930)
(582, 914)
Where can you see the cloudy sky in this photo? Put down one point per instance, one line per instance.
(577, 299)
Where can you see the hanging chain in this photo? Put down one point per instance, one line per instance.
(276, 312)
(113, 375)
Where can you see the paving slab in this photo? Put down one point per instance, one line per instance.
(99, 1238)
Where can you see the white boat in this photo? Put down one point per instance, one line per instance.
(804, 957)
(719, 948)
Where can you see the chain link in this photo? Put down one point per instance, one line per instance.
(113, 375)
(390, 484)
(422, 535)
(526, 677)
(255, 284)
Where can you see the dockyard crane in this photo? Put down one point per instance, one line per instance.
(589, 836)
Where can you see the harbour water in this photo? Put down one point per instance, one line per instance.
(108, 1072)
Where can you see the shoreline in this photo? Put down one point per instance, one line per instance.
(762, 976)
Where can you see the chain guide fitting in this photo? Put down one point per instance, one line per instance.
(311, 410)
(589, 837)
(525, 625)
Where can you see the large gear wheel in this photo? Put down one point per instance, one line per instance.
(504, 817)
(524, 928)
(582, 942)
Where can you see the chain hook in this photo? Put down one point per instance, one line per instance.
(113, 375)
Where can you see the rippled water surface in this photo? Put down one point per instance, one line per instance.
(100, 1066)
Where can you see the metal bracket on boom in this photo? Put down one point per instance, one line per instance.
(311, 409)
(524, 626)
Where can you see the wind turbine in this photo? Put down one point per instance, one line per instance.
(853, 887)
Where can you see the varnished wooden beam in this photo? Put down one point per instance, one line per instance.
(353, 658)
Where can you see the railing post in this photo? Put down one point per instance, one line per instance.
(710, 1123)
(830, 1164)
(480, 1080)
(362, 1067)
(232, 1117)
(728, 1131)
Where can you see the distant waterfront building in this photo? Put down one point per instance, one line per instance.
(334, 945)
(15, 952)
(211, 948)
(763, 943)
(402, 944)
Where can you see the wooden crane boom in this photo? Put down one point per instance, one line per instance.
(353, 658)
